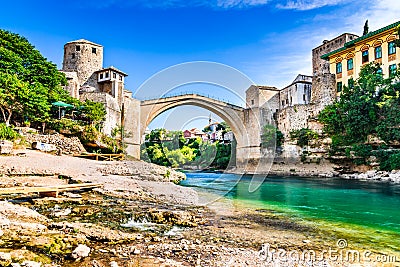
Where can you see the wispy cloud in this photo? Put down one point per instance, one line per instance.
(309, 4)
(166, 4)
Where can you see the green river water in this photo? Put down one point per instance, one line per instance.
(364, 212)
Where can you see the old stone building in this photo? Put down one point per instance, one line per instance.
(328, 46)
(87, 79)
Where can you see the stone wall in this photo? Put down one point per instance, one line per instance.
(294, 118)
(67, 145)
(73, 85)
(113, 116)
(324, 91)
(131, 119)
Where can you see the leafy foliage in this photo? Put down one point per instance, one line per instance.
(95, 112)
(304, 136)
(28, 82)
(7, 133)
(271, 136)
(170, 148)
(370, 108)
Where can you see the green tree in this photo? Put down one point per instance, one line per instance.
(95, 112)
(34, 82)
(271, 136)
(370, 108)
(17, 96)
(366, 28)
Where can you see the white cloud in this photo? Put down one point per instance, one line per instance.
(309, 4)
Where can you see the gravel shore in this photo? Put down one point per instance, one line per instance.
(139, 218)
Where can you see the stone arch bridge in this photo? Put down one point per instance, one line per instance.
(243, 122)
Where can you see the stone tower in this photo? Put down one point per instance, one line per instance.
(84, 58)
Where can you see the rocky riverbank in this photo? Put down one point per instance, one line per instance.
(139, 218)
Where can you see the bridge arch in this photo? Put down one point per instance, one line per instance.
(233, 115)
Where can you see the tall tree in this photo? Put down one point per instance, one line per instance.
(366, 28)
(28, 72)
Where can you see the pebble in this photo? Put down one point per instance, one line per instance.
(80, 251)
(31, 264)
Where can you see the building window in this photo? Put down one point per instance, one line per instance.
(351, 83)
(283, 102)
(392, 70)
(94, 51)
(73, 55)
(78, 48)
(339, 67)
(101, 76)
(392, 48)
(252, 101)
(379, 72)
(107, 74)
(339, 86)
(378, 52)
(365, 57)
(120, 77)
(114, 75)
(287, 101)
(304, 97)
(350, 64)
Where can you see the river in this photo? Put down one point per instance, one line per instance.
(360, 210)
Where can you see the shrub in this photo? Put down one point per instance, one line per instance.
(303, 136)
(7, 133)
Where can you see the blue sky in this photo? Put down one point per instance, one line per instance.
(270, 41)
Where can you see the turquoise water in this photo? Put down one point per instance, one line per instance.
(362, 205)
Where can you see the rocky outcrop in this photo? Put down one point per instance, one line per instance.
(67, 145)
(393, 176)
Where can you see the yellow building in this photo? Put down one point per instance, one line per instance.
(377, 46)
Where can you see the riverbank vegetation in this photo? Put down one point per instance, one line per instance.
(170, 148)
(364, 123)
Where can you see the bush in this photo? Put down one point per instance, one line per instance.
(390, 162)
(7, 133)
(394, 161)
(64, 124)
(303, 136)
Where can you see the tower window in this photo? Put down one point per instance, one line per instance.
(94, 51)
(78, 48)
(73, 55)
